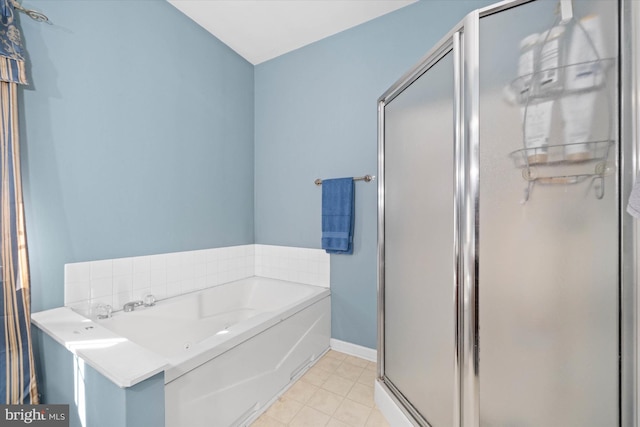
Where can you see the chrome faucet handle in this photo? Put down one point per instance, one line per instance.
(149, 301)
(103, 311)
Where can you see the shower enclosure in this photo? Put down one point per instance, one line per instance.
(506, 258)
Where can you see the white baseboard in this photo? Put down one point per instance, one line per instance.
(385, 403)
(354, 350)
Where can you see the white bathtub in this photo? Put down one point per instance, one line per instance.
(232, 348)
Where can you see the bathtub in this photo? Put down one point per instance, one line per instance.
(231, 349)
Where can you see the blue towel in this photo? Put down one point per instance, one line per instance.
(338, 215)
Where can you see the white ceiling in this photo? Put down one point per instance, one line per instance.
(260, 30)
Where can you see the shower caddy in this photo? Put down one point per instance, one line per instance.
(527, 92)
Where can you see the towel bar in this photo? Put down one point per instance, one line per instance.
(366, 178)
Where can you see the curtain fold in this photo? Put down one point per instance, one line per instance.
(17, 370)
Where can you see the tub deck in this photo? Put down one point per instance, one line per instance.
(179, 333)
(122, 361)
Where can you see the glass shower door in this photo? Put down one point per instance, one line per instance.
(548, 223)
(419, 243)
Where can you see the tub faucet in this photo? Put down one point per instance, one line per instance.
(130, 306)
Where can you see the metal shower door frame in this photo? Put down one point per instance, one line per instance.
(449, 44)
(463, 41)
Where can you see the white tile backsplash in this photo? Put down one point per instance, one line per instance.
(158, 262)
(101, 287)
(141, 264)
(122, 284)
(118, 281)
(77, 291)
(174, 273)
(123, 267)
(310, 266)
(101, 269)
(78, 272)
(173, 289)
(141, 280)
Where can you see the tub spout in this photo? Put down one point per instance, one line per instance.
(130, 306)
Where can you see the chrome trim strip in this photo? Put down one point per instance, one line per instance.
(628, 168)
(434, 55)
(499, 7)
(458, 177)
(438, 53)
(439, 50)
(470, 89)
(380, 281)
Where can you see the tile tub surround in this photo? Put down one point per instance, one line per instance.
(118, 281)
(303, 265)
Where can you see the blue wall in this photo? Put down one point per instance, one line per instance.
(316, 117)
(137, 137)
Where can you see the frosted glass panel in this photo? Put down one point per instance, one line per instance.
(419, 305)
(548, 277)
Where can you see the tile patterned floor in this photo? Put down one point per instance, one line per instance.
(336, 392)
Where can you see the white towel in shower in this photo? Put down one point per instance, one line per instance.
(633, 207)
